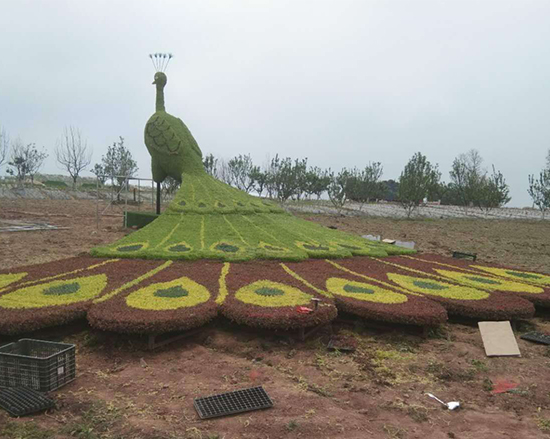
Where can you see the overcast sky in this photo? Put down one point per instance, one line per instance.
(339, 82)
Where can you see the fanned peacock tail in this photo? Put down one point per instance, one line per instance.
(210, 219)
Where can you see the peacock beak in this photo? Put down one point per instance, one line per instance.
(155, 81)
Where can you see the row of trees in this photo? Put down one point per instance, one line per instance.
(24, 160)
(72, 154)
(283, 178)
(470, 185)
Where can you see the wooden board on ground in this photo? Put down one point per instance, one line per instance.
(498, 339)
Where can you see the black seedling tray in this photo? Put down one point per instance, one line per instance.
(537, 337)
(230, 403)
(21, 401)
(461, 255)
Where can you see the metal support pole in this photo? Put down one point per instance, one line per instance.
(126, 205)
(97, 204)
(158, 198)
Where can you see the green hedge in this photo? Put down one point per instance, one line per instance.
(55, 184)
(139, 219)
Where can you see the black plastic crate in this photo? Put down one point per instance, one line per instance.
(36, 364)
(21, 401)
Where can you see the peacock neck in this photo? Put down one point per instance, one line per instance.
(160, 98)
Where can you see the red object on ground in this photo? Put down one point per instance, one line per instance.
(502, 386)
(303, 310)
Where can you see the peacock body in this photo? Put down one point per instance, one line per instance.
(210, 219)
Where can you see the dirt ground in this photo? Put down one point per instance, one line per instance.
(125, 391)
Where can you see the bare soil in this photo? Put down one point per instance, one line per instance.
(126, 391)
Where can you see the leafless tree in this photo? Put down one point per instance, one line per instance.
(72, 152)
(4, 145)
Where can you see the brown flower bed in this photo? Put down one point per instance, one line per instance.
(494, 306)
(23, 309)
(405, 309)
(432, 262)
(115, 314)
(277, 285)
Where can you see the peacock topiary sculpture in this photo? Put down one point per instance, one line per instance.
(209, 219)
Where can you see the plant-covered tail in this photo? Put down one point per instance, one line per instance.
(213, 220)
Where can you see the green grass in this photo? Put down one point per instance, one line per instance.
(55, 184)
(211, 220)
(24, 430)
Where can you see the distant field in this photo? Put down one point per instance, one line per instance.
(394, 210)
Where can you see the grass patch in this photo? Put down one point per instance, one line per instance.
(24, 430)
(479, 365)
(96, 422)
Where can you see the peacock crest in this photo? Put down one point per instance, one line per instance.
(160, 61)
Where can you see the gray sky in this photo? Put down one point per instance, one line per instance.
(340, 82)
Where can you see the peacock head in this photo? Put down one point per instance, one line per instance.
(160, 79)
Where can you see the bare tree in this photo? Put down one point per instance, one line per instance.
(72, 152)
(4, 145)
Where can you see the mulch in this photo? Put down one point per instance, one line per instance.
(540, 300)
(115, 315)
(17, 320)
(284, 317)
(496, 306)
(415, 311)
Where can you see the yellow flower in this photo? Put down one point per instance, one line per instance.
(55, 293)
(522, 276)
(179, 293)
(272, 294)
(489, 283)
(437, 288)
(363, 291)
(6, 279)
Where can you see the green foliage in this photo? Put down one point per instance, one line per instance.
(259, 179)
(286, 178)
(389, 190)
(213, 220)
(472, 186)
(418, 180)
(117, 165)
(171, 145)
(139, 219)
(24, 430)
(170, 186)
(99, 171)
(365, 185)
(210, 164)
(55, 184)
(539, 190)
(241, 170)
(338, 188)
(210, 218)
(25, 160)
(317, 182)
